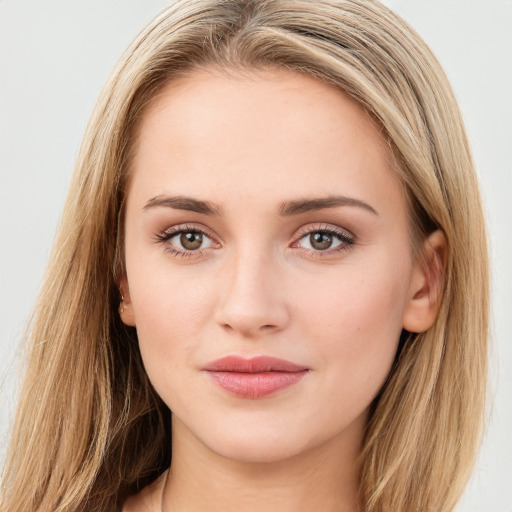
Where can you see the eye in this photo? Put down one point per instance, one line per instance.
(184, 240)
(189, 240)
(325, 239)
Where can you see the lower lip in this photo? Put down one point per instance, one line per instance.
(255, 385)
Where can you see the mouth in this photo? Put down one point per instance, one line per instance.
(255, 377)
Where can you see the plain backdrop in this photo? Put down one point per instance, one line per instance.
(55, 56)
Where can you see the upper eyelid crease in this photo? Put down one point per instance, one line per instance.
(308, 229)
(345, 236)
(175, 230)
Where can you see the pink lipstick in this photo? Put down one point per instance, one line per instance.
(255, 377)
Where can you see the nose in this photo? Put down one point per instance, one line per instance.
(252, 299)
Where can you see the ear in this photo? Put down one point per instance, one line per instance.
(125, 307)
(427, 284)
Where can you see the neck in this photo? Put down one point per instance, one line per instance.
(324, 478)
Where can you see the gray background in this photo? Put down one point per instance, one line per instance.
(55, 56)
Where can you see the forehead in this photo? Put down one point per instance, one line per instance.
(271, 133)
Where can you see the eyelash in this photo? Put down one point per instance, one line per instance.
(347, 240)
(164, 237)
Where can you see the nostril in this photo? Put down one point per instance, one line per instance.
(265, 327)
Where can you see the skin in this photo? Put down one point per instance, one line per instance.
(257, 286)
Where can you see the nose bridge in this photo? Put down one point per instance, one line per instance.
(252, 301)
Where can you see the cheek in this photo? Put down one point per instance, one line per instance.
(355, 321)
(171, 311)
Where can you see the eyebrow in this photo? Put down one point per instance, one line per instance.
(183, 203)
(286, 208)
(307, 205)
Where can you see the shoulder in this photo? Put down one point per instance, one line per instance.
(147, 500)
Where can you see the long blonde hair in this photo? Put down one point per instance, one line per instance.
(90, 430)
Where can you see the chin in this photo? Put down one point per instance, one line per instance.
(260, 443)
(258, 450)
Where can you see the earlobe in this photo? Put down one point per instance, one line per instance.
(427, 284)
(125, 306)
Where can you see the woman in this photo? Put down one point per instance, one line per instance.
(275, 233)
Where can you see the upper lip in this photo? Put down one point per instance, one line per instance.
(259, 364)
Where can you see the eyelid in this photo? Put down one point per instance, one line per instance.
(163, 237)
(347, 238)
(322, 226)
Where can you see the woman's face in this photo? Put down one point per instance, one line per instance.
(264, 220)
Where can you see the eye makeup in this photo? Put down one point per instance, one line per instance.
(189, 240)
(324, 240)
(186, 240)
